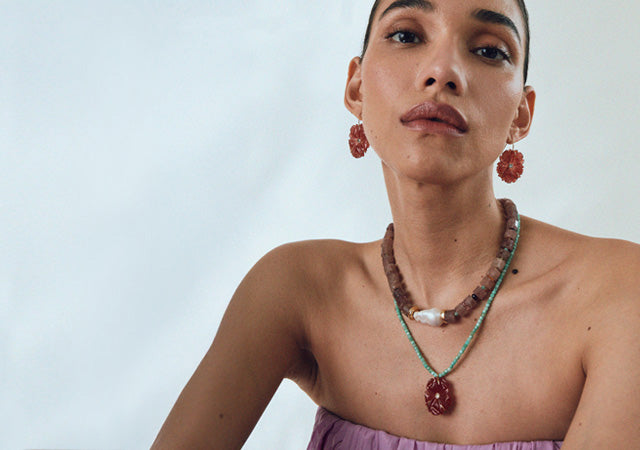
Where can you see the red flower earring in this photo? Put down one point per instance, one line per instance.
(510, 165)
(358, 142)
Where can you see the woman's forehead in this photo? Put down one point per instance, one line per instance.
(508, 8)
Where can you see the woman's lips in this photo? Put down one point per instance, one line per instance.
(435, 118)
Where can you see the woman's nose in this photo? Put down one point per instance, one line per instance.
(442, 69)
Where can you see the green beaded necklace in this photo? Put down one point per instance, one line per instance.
(438, 395)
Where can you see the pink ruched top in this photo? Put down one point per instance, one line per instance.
(332, 432)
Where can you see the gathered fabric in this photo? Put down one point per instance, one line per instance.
(332, 432)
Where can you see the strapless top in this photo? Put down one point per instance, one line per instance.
(332, 432)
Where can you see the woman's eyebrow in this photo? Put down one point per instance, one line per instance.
(420, 4)
(488, 16)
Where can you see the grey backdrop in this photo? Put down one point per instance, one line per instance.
(153, 151)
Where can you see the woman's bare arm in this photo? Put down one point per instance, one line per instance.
(608, 415)
(259, 341)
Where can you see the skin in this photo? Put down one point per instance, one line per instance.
(557, 357)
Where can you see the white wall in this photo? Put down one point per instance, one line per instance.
(153, 151)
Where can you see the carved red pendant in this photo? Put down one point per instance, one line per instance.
(439, 396)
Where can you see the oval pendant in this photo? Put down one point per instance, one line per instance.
(439, 396)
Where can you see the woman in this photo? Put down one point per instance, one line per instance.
(440, 90)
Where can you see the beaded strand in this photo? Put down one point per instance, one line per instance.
(434, 316)
(475, 328)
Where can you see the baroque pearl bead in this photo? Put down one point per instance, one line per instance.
(431, 317)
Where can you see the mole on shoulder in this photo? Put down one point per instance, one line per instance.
(221, 415)
(589, 329)
(515, 271)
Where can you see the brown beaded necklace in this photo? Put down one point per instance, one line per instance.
(435, 317)
(438, 393)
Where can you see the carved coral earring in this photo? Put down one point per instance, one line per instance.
(510, 165)
(358, 142)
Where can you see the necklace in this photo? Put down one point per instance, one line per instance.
(438, 393)
(436, 317)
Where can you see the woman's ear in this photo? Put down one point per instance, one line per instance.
(352, 94)
(524, 115)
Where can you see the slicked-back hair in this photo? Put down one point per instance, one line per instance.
(523, 10)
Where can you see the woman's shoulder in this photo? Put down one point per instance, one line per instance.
(314, 262)
(579, 247)
(595, 264)
(318, 248)
(308, 266)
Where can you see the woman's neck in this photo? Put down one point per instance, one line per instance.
(445, 236)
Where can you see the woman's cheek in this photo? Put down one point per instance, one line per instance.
(378, 103)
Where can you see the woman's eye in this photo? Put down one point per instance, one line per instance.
(493, 53)
(404, 37)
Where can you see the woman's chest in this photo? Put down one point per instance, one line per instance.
(520, 377)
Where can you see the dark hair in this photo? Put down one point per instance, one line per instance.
(523, 10)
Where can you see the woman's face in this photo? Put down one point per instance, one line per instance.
(466, 54)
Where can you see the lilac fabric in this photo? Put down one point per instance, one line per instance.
(331, 432)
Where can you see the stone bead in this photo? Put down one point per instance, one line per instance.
(499, 263)
(450, 316)
(508, 243)
(512, 223)
(494, 274)
(511, 234)
(395, 279)
(388, 256)
(509, 207)
(470, 301)
(482, 294)
(504, 254)
(488, 283)
(464, 309)
(467, 305)
(401, 297)
(387, 246)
